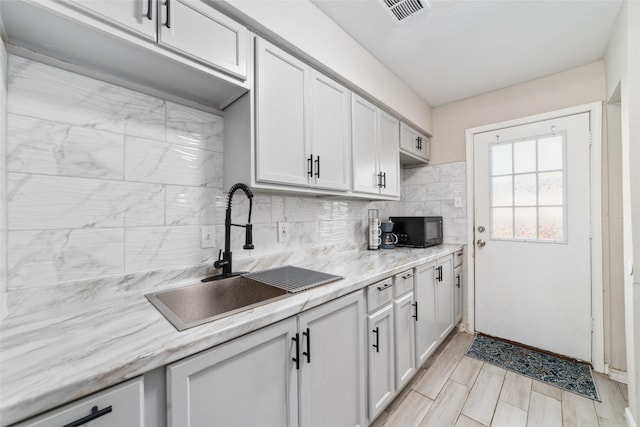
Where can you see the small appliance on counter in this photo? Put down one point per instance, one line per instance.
(388, 240)
(374, 240)
(418, 231)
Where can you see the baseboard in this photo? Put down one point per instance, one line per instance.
(628, 416)
(619, 376)
(464, 327)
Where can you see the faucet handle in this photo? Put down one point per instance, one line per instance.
(220, 255)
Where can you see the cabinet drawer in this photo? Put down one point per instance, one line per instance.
(457, 259)
(125, 401)
(403, 283)
(379, 294)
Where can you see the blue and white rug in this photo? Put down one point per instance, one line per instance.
(567, 375)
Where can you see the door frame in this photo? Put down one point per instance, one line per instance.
(597, 308)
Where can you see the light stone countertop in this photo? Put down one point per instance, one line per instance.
(58, 355)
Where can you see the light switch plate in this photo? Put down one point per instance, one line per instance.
(283, 232)
(208, 236)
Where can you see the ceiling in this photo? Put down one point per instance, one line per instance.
(457, 49)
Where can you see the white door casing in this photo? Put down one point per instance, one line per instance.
(559, 319)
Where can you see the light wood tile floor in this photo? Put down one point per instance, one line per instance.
(453, 390)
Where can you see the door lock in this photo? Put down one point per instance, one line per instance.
(481, 229)
(481, 243)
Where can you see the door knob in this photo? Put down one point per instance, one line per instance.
(481, 243)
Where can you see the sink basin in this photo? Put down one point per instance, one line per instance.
(194, 305)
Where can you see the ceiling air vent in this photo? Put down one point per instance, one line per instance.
(403, 9)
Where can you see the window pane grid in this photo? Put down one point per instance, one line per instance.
(527, 191)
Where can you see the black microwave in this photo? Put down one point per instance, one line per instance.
(417, 231)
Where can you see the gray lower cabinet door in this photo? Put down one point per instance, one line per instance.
(332, 373)
(250, 381)
(404, 323)
(381, 360)
(425, 294)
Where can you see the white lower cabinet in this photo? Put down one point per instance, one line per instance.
(121, 405)
(307, 370)
(381, 359)
(426, 322)
(444, 296)
(434, 295)
(248, 381)
(332, 370)
(404, 322)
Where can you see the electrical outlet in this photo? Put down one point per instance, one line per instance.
(457, 202)
(283, 232)
(208, 236)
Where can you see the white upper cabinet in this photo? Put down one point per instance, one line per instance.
(414, 146)
(201, 57)
(389, 161)
(364, 133)
(302, 123)
(138, 16)
(190, 28)
(282, 84)
(330, 139)
(195, 29)
(374, 142)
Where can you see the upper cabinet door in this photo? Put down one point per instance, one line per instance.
(195, 29)
(389, 155)
(138, 16)
(281, 117)
(408, 138)
(364, 133)
(330, 124)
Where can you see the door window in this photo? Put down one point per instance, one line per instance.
(528, 189)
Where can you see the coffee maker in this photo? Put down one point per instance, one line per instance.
(388, 239)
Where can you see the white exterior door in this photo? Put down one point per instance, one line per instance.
(532, 235)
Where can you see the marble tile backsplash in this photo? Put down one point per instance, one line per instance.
(109, 189)
(3, 180)
(432, 190)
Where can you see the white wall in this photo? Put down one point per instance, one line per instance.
(569, 88)
(3, 179)
(302, 27)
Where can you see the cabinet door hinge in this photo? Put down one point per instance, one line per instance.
(593, 322)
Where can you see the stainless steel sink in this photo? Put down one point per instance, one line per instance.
(194, 305)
